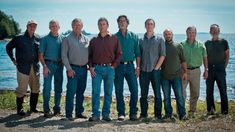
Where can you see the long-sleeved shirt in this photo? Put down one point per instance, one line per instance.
(130, 46)
(104, 50)
(194, 53)
(50, 47)
(151, 50)
(26, 52)
(171, 67)
(74, 50)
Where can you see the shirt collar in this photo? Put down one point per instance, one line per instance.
(145, 36)
(53, 36)
(107, 35)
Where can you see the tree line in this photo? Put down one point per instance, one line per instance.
(8, 26)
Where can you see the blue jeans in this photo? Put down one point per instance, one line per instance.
(127, 71)
(76, 85)
(56, 70)
(216, 74)
(155, 78)
(177, 87)
(105, 73)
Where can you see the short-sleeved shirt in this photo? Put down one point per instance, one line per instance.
(171, 67)
(216, 51)
(151, 49)
(50, 47)
(194, 53)
(130, 46)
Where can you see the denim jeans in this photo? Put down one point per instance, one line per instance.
(216, 74)
(56, 70)
(155, 78)
(177, 87)
(76, 85)
(126, 71)
(105, 73)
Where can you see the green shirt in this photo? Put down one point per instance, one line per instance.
(194, 53)
(171, 67)
(129, 45)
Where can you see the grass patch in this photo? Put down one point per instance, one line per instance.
(7, 101)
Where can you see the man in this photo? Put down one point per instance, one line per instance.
(171, 76)
(218, 58)
(50, 57)
(153, 53)
(195, 54)
(26, 61)
(75, 59)
(104, 56)
(126, 69)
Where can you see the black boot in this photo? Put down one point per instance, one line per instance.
(19, 103)
(33, 102)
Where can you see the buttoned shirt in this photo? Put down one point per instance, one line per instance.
(130, 46)
(75, 50)
(151, 50)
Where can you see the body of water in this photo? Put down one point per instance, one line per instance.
(8, 70)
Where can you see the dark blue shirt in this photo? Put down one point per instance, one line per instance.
(26, 52)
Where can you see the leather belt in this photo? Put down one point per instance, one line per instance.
(108, 64)
(192, 68)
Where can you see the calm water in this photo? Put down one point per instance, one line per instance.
(8, 70)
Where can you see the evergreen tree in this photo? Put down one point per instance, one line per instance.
(8, 26)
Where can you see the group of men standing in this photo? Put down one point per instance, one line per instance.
(110, 58)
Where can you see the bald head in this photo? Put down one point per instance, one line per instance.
(168, 34)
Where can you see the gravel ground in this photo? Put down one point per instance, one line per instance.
(10, 122)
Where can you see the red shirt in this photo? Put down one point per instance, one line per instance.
(104, 50)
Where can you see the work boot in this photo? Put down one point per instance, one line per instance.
(33, 102)
(19, 104)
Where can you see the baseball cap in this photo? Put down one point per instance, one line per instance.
(32, 22)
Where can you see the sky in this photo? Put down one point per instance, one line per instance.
(174, 14)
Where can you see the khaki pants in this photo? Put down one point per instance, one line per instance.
(24, 80)
(194, 85)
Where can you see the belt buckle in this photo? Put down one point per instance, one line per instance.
(125, 63)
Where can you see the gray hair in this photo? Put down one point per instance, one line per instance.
(214, 26)
(191, 28)
(76, 20)
(52, 22)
